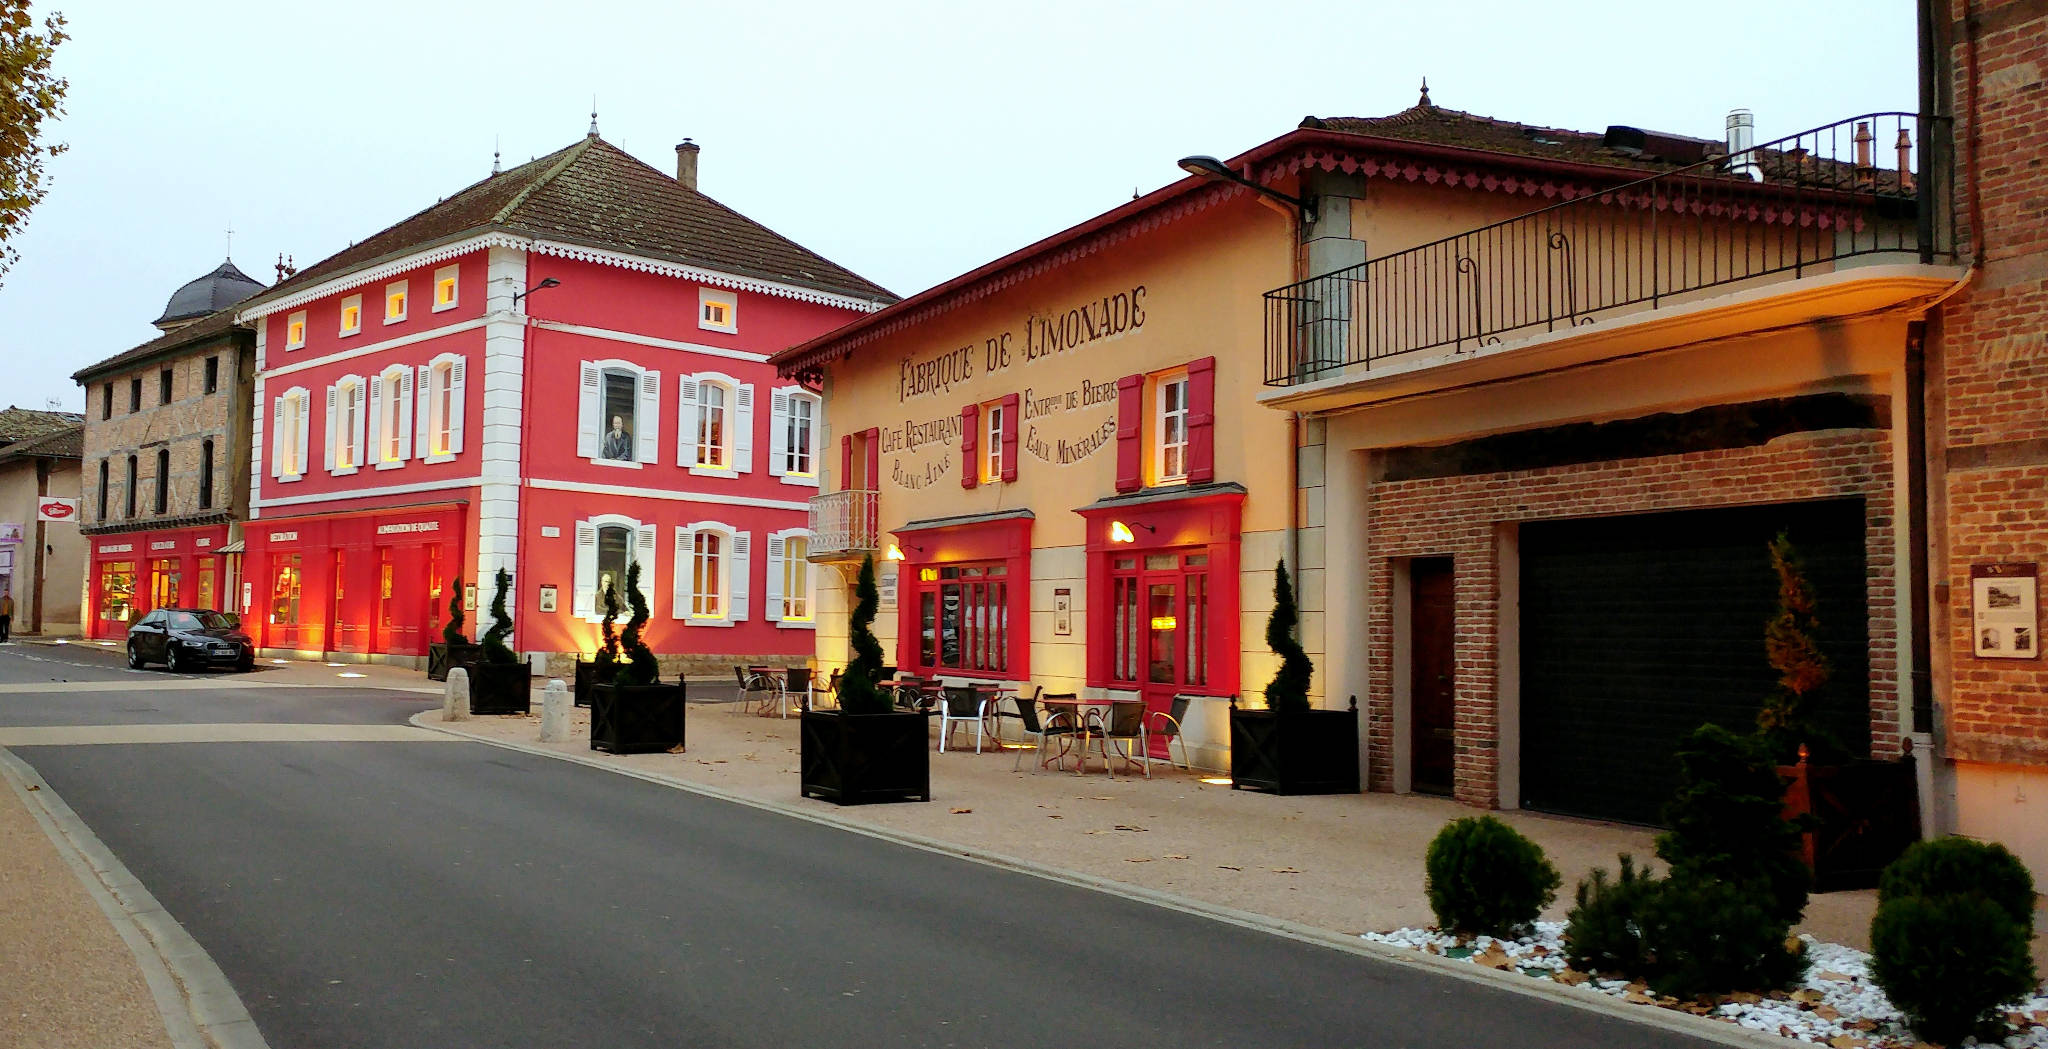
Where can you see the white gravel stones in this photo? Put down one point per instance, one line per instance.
(1836, 1004)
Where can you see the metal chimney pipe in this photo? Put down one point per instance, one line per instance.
(1741, 142)
(686, 164)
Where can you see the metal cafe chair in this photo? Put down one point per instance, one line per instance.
(1056, 724)
(755, 687)
(1165, 724)
(959, 706)
(794, 689)
(1122, 726)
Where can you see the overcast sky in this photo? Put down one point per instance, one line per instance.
(907, 142)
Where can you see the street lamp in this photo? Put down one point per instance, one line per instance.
(545, 282)
(1211, 168)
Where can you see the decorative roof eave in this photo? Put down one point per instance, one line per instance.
(463, 244)
(184, 521)
(121, 362)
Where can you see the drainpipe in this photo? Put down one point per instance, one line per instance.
(1916, 527)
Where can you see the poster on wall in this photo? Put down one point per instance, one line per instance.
(1063, 612)
(10, 531)
(2005, 618)
(547, 598)
(885, 587)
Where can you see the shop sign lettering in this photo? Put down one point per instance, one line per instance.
(1046, 335)
(409, 526)
(165, 544)
(1063, 452)
(118, 548)
(915, 477)
(284, 537)
(202, 543)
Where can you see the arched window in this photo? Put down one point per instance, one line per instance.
(711, 574)
(716, 436)
(796, 418)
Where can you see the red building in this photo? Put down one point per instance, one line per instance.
(558, 371)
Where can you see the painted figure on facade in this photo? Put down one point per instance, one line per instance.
(618, 442)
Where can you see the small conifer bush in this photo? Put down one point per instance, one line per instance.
(1728, 823)
(1949, 963)
(1486, 878)
(1961, 866)
(1604, 931)
(1705, 936)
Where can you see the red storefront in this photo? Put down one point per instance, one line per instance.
(965, 607)
(134, 572)
(368, 582)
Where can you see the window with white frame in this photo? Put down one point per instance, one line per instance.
(347, 407)
(718, 310)
(790, 594)
(1170, 462)
(440, 408)
(992, 443)
(795, 421)
(396, 298)
(352, 315)
(618, 413)
(606, 547)
(288, 434)
(295, 330)
(711, 574)
(716, 435)
(391, 404)
(445, 285)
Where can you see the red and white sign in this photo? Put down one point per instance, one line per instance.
(57, 510)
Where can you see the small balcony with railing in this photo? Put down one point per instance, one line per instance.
(1832, 222)
(844, 526)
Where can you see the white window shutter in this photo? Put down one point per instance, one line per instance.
(590, 405)
(686, 422)
(743, 429)
(777, 549)
(644, 537)
(376, 417)
(404, 409)
(736, 580)
(583, 601)
(778, 438)
(277, 437)
(686, 574)
(302, 406)
(456, 388)
(356, 445)
(650, 417)
(333, 419)
(423, 413)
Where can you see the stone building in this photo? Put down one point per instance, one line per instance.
(41, 555)
(166, 458)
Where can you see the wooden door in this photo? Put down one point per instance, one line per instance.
(1432, 675)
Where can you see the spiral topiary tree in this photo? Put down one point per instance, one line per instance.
(1288, 690)
(1791, 643)
(452, 633)
(641, 668)
(494, 640)
(857, 691)
(606, 663)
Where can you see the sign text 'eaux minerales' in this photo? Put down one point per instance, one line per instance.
(1045, 336)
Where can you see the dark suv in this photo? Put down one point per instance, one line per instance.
(190, 639)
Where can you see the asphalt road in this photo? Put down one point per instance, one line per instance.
(454, 894)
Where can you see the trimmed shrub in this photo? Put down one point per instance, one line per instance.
(1728, 823)
(858, 693)
(1288, 691)
(452, 632)
(495, 650)
(1949, 963)
(1705, 936)
(606, 663)
(1962, 867)
(1484, 877)
(641, 668)
(1604, 932)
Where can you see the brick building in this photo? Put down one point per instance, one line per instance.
(166, 460)
(1987, 368)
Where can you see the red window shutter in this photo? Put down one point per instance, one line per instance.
(846, 463)
(1202, 421)
(970, 469)
(1010, 404)
(873, 438)
(1130, 431)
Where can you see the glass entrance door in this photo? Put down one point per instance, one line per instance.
(1160, 624)
(208, 587)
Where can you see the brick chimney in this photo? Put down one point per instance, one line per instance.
(686, 164)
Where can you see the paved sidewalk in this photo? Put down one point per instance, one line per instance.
(1348, 863)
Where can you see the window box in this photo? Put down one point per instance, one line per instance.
(637, 719)
(858, 759)
(1297, 752)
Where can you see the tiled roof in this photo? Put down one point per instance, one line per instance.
(66, 443)
(1438, 126)
(19, 424)
(206, 327)
(597, 195)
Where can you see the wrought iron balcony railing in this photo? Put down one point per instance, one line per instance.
(843, 525)
(1795, 207)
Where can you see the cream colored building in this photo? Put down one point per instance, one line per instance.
(42, 562)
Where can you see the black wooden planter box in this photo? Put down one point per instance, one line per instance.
(440, 657)
(1863, 815)
(500, 688)
(586, 676)
(854, 759)
(1299, 752)
(637, 719)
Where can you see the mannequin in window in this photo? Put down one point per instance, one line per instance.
(618, 442)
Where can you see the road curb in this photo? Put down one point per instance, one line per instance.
(200, 1008)
(1586, 999)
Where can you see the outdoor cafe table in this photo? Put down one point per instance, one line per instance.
(1077, 709)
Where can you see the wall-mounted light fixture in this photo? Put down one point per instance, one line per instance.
(1120, 532)
(895, 553)
(545, 282)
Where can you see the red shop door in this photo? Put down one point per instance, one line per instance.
(1161, 619)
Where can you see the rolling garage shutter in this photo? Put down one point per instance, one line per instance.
(1637, 629)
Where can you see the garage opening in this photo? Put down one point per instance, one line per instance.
(1637, 629)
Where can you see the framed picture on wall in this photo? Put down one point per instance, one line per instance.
(1063, 612)
(2005, 620)
(547, 598)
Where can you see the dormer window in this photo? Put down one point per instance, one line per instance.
(295, 331)
(351, 315)
(717, 310)
(394, 302)
(444, 287)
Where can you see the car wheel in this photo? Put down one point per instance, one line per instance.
(171, 661)
(134, 657)
(246, 666)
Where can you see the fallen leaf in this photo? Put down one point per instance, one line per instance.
(1128, 827)
(1175, 856)
(1830, 974)
(1844, 1041)
(1493, 957)
(1697, 1009)
(960, 812)
(1222, 867)
(1746, 997)
(677, 749)
(1639, 998)
(1827, 1012)
(1570, 977)
(1638, 987)
(1054, 816)
(1283, 870)
(1137, 859)
(1862, 1024)
(33, 786)
(1808, 996)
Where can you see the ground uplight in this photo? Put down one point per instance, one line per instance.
(1221, 781)
(350, 673)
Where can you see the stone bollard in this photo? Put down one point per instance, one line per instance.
(554, 712)
(455, 706)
